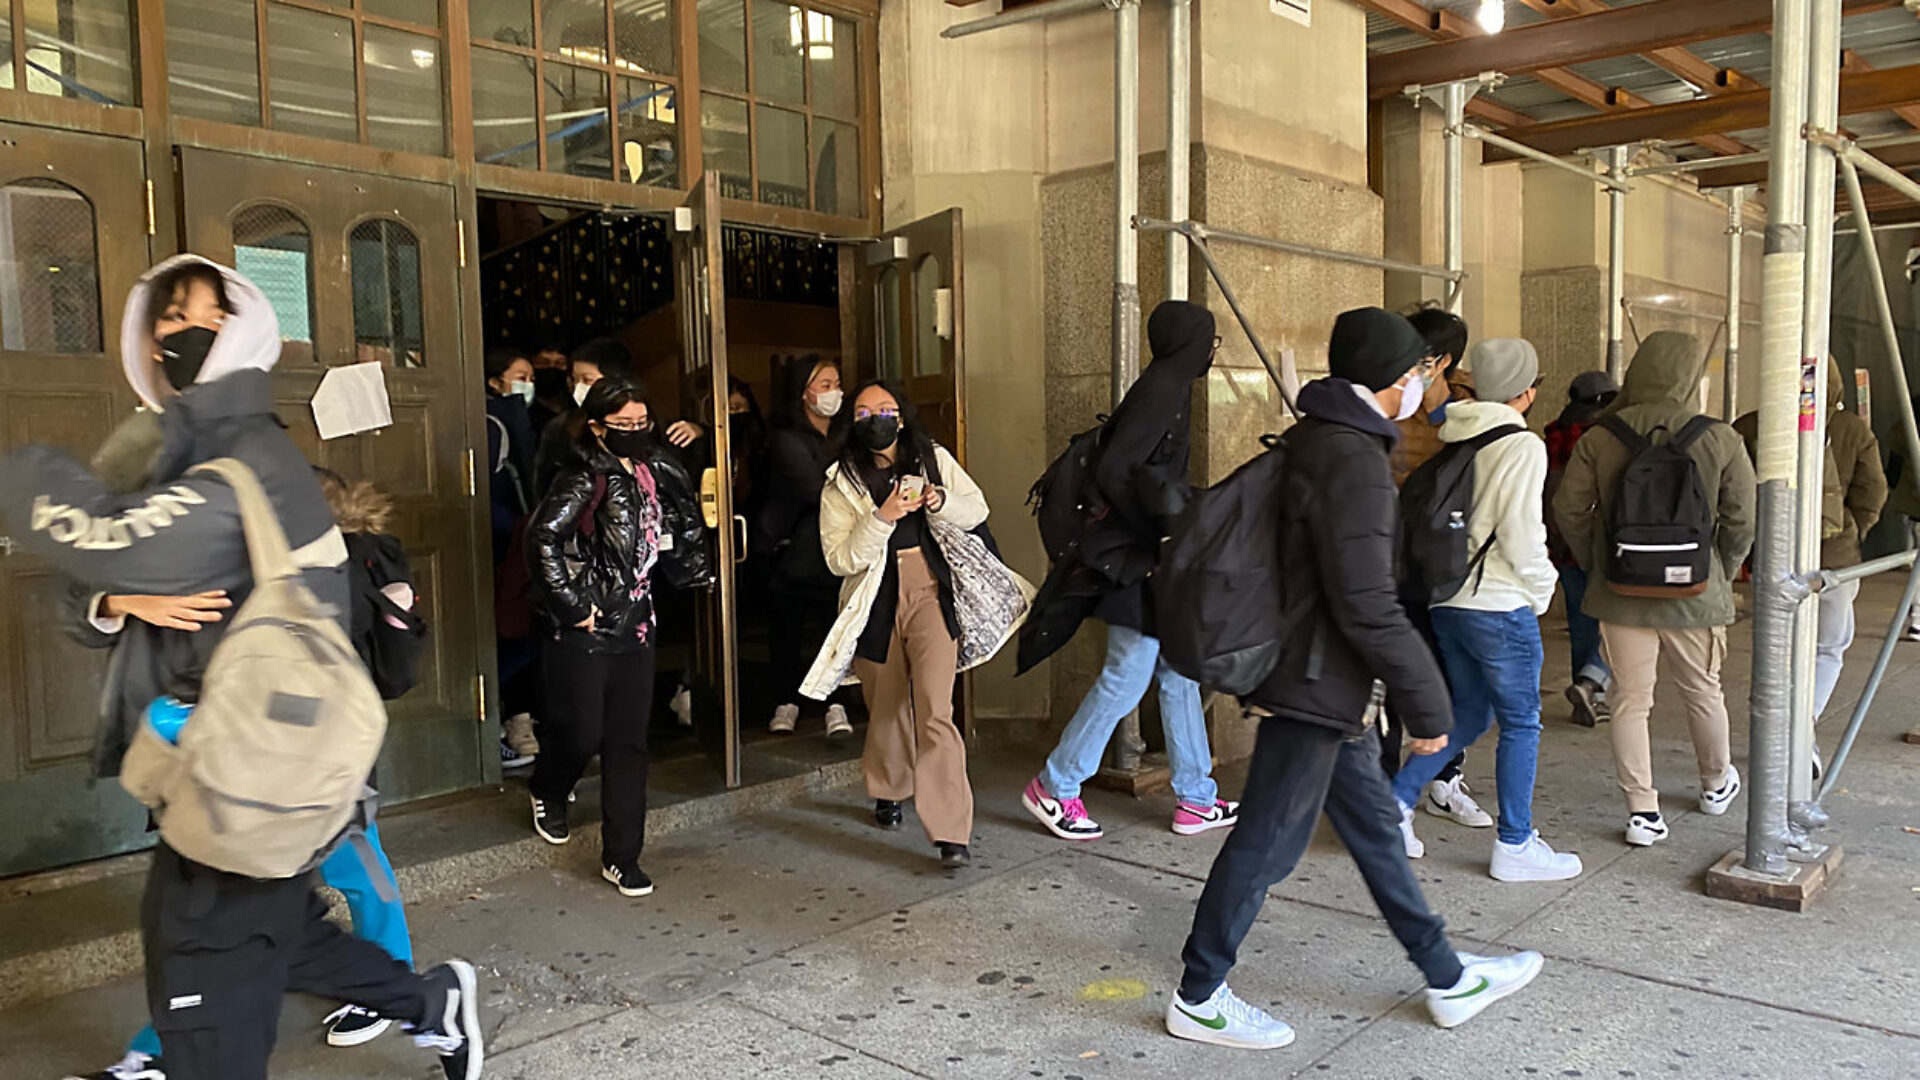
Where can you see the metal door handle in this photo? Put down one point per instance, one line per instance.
(740, 535)
(6, 546)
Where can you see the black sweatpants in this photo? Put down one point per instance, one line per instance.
(1299, 769)
(598, 703)
(222, 950)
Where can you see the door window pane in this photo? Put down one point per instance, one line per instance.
(782, 137)
(510, 21)
(929, 358)
(643, 35)
(836, 168)
(576, 29)
(887, 301)
(386, 294)
(6, 42)
(723, 139)
(310, 73)
(212, 63)
(274, 248)
(419, 12)
(81, 49)
(503, 128)
(650, 144)
(577, 138)
(723, 44)
(403, 91)
(49, 272)
(832, 51)
(779, 35)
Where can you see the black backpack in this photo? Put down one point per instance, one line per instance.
(1660, 527)
(389, 638)
(1065, 497)
(1436, 508)
(1219, 589)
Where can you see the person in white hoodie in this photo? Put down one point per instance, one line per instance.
(1488, 628)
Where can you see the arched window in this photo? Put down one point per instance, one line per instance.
(49, 269)
(273, 247)
(386, 293)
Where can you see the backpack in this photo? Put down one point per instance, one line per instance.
(1436, 509)
(1219, 587)
(1660, 527)
(1065, 497)
(271, 771)
(387, 636)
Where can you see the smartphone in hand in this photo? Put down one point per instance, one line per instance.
(913, 488)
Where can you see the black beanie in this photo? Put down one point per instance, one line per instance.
(1373, 347)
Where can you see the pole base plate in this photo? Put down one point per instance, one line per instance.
(1793, 891)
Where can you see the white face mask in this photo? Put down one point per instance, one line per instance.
(1410, 394)
(523, 389)
(580, 392)
(827, 402)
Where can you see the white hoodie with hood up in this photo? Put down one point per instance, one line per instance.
(1509, 476)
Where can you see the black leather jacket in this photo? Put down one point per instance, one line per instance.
(584, 553)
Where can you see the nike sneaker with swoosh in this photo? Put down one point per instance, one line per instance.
(1485, 980)
(1225, 1020)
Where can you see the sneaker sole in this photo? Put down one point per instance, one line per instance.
(1494, 997)
(624, 891)
(1181, 1027)
(837, 734)
(1445, 814)
(1042, 817)
(1635, 841)
(470, 1017)
(1207, 826)
(520, 762)
(1534, 875)
(548, 837)
(358, 1038)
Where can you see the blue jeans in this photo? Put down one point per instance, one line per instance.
(1493, 661)
(1133, 661)
(383, 922)
(1584, 630)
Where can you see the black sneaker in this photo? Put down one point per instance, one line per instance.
(629, 879)
(954, 856)
(550, 820)
(351, 1025)
(454, 1031)
(135, 1066)
(887, 813)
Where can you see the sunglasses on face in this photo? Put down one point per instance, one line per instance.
(864, 413)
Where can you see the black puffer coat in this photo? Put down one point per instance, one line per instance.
(591, 544)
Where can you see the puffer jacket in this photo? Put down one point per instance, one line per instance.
(1661, 390)
(591, 548)
(1853, 468)
(159, 529)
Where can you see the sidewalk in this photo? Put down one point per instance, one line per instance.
(808, 944)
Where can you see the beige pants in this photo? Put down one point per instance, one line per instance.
(1694, 656)
(914, 751)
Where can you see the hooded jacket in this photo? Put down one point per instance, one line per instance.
(168, 532)
(1853, 470)
(1339, 532)
(1661, 391)
(1507, 477)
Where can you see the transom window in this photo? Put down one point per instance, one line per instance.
(80, 49)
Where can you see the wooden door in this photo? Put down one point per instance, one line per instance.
(365, 268)
(73, 240)
(910, 308)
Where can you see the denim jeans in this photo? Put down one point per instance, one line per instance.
(1133, 661)
(1493, 661)
(1584, 630)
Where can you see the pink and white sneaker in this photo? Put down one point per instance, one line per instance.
(1193, 820)
(1064, 818)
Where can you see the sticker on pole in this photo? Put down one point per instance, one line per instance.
(1809, 374)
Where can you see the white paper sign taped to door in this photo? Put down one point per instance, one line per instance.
(352, 399)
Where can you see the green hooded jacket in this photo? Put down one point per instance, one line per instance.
(1856, 484)
(1662, 390)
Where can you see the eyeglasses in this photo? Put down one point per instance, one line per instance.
(864, 413)
(629, 425)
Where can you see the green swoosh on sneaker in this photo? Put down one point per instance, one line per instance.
(1218, 1023)
(1483, 984)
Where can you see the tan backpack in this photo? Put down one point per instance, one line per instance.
(271, 769)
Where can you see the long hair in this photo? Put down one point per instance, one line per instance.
(790, 400)
(608, 396)
(912, 453)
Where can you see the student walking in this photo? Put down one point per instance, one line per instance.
(1488, 585)
(1142, 485)
(1590, 393)
(1318, 747)
(1660, 546)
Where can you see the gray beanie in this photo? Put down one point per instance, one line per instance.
(1503, 368)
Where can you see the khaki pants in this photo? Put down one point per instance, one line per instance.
(914, 751)
(1694, 656)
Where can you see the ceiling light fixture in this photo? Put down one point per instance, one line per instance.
(1492, 16)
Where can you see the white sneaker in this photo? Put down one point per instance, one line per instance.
(1715, 802)
(135, 1066)
(1532, 861)
(1225, 1020)
(1646, 830)
(682, 706)
(1486, 980)
(784, 718)
(1449, 799)
(1415, 849)
(838, 726)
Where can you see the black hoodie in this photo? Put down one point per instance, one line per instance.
(1339, 532)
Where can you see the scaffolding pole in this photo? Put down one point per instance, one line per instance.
(1776, 591)
(1179, 136)
(1473, 131)
(1736, 258)
(1617, 264)
(1128, 746)
(1454, 228)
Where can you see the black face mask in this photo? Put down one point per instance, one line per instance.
(183, 353)
(551, 384)
(632, 445)
(877, 432)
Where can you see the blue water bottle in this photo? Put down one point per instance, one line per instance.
(168, 714)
